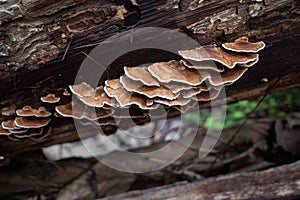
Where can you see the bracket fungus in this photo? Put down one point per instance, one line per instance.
(28, 111)
(242, 44)
(50, 98)
(176, 85)
(126, 98)
(218, 54)
(141, 74)
(82, 90)
(149, 91)
(25, 122)
(173, 70)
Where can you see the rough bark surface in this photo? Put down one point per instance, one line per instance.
(276, 183)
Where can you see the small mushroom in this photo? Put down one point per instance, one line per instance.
(149, 91)
(173, 70)
(126, 98)
(42, 112)
(242, 44)
(26, 111)
(79, 111)
(24, 122)
(8, 111)
(141, 74)
(9, 125)
(66, 92)
(50, 98)
(211, 52)
(82, 90)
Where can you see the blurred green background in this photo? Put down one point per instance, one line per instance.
(275, 104)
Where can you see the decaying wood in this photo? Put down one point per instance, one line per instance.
(36, 35)
(275, 183)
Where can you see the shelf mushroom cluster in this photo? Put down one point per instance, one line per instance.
(174, 84)
(29, 123)
(170, 84)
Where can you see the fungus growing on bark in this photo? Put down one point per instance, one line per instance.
(50, 98)
(66, 92)
(9, 125)
(79, 111)
(173, 70)
(30, 133)
(124, 97)
(141, 74)
(82, 90)
(18, 131)
(208, 95)
(4, 131)
(149, 91)
(228, 76)
(28, 111)
(212, 52)
(176, 102)
(98, 98)
(202, 65)
(242, 44)
(195, 90)
(25, 122)
(42, 112)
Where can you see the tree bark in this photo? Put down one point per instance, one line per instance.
(275, 183)
(35, 35)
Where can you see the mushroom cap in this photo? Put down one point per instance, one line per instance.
(4, 131)
(98, 98)
(211, 52)
(177, 87)
(227, 77)
(242, 44)
(9, 125)
(208, 95)
(26, 111)
(141, 74)
(202, 65)
(195, 90)
(24, 122)
(66, 92)
(180, 101)
(149, 91)
(18, 131)
(82, 90)
(50, 98)
(80, 111)
(174, 71)
(126, 98)
(42, 112)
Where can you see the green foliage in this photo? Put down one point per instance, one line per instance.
(275, 104)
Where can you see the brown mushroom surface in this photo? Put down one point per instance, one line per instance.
(25, 122)
(141, 74)
(149, 91)
(242, 44)
(212, 52)
(82, 90)
(50, 98)
(174, 71)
